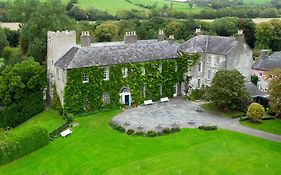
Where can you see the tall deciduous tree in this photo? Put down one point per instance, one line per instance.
(106, 32)
(38, 18)
(20, 80)
(274, 91)
(228, 90)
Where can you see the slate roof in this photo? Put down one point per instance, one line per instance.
(253, 90)
(209, 44)
(103, 54)
(268, 62)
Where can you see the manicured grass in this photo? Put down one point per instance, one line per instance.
(94, 148)
(272, 126)
(49, 119)
(213, 109)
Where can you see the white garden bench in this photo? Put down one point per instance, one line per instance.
(165, 99)
(148, 102)
(65, 132)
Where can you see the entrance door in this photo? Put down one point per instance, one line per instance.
(127, 100)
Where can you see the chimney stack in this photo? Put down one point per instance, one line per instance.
(171, 39)
(264, 53)
(161, 35)
(130, 37)
(240, 36)
(85, 39)
(198, 32)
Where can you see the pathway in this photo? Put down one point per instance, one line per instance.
(181, 113)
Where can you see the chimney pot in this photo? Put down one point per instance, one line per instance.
(171, 39)
(240, 36)
(131, 37)
(161, 35)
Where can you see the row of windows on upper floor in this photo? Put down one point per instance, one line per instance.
(200, 64)
(85, 77)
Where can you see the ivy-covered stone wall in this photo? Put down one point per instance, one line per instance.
(82, 97)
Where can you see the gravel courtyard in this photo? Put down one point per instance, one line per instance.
(175, 113)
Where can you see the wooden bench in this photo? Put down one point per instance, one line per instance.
(165, 99)
(65, 132)
(148, 102)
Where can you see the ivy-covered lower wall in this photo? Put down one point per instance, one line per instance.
(83, 97)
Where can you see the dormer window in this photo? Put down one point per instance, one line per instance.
(142, 71)
(85, 78)
(124, 72)
(106, 73)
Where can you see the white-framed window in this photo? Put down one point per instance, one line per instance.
(160, 68)
(199, 83)
(143, 89)
(217, 61)
(209, 58)
(58, 73)
(106, 73)
(161, 89)
(209, 74)
(85, 78)
(87, 103)
(176, 67)
(124, 72)
(200, 66)
(106, 98)
(142, 71)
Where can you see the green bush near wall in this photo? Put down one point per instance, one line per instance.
(22, 110)
(15, 144)
(83, 97)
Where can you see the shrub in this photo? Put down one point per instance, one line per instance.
(243, 119)
(166, 130)
(130, 132)
(208, 128)
(151, 133)
(139, 133)
(255, 112)
(270, 111)
(121, 129)
(174, 130)
(196, 94)
(17, 144)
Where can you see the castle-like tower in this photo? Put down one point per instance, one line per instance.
(57, 45)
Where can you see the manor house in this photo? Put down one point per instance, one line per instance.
(89, 76)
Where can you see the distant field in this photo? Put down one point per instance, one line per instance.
(255, 1)
(179, 6)
(110, 6)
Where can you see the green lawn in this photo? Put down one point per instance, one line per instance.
(272, 126)
(213, 109)
(49, 119)
(94, 148)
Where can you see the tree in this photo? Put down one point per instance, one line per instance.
(254, 79)
(37, 21)
(274, 90)
(226, 26)
(190, 4)
(174, 28)
(106, 32)
(248, 27)
(21, 80)
(228, 91)
(255, 112)
(3, 41)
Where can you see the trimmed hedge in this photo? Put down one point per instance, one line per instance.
(208, 128)
(17, 144)
(20, 111)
